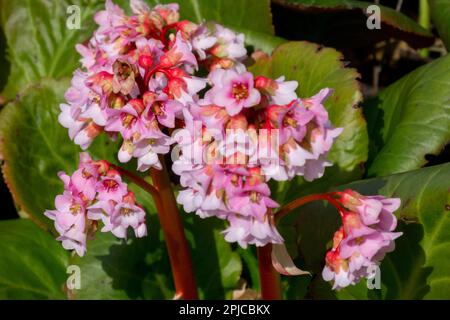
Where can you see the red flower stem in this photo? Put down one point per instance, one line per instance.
(269, 277)
(301, 201)
(177, 245)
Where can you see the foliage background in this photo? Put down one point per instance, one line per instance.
(392, 96)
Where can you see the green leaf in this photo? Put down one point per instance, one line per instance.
(35, 147)
(440, 14)
(314, 68)
(217, 267)
(410, 119)
(344, 23)
(115, 269)
(39, 42)
(418, 268)
(32, 264)
(232, 13)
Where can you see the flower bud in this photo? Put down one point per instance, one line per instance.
(145, 61)
(137, 105)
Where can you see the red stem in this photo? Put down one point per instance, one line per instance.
(177, 245)
(270, 279)
(172, 226)
(301, 201)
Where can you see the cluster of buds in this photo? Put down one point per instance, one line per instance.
(364, 238)
(94, 192)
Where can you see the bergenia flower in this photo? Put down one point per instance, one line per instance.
(232, 90)
(361, 243)
(94, 192)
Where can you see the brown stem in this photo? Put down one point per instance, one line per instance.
(270, 279)
(172, 226)
(301, 201)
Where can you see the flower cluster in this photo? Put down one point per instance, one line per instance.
(140, 81)
(363, 240)
(94, 192)
(137, 75)
(252, 130)
(154, 81)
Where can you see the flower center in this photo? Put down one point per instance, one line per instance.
(240, 91)
(255, 197)
(289, 122)
(75, 208)
(126, 211)
(128, 120)
(158, 109)
(110, 185)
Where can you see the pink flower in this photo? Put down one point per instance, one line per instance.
(247, 230)
(306, 136)
(202, 40)
(111, 20)
(232, 90)
(70, 222)
(139, 7)
(229, 44)
(179, 53)
(111, 187)
(75, 237)
(169, 12)
(127, 121)
(127, 214)
(253, 199)
(363, 240)
(94, 193)
(280, 92)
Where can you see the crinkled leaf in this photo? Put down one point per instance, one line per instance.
(440, 14)
(344, 23)
(410, 119)
(32, 264)
(314, 68)
(418, 268)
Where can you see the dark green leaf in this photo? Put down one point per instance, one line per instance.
(440, 14)
(140, 269)
(410, 119)
(344, 23)
(32, 264)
